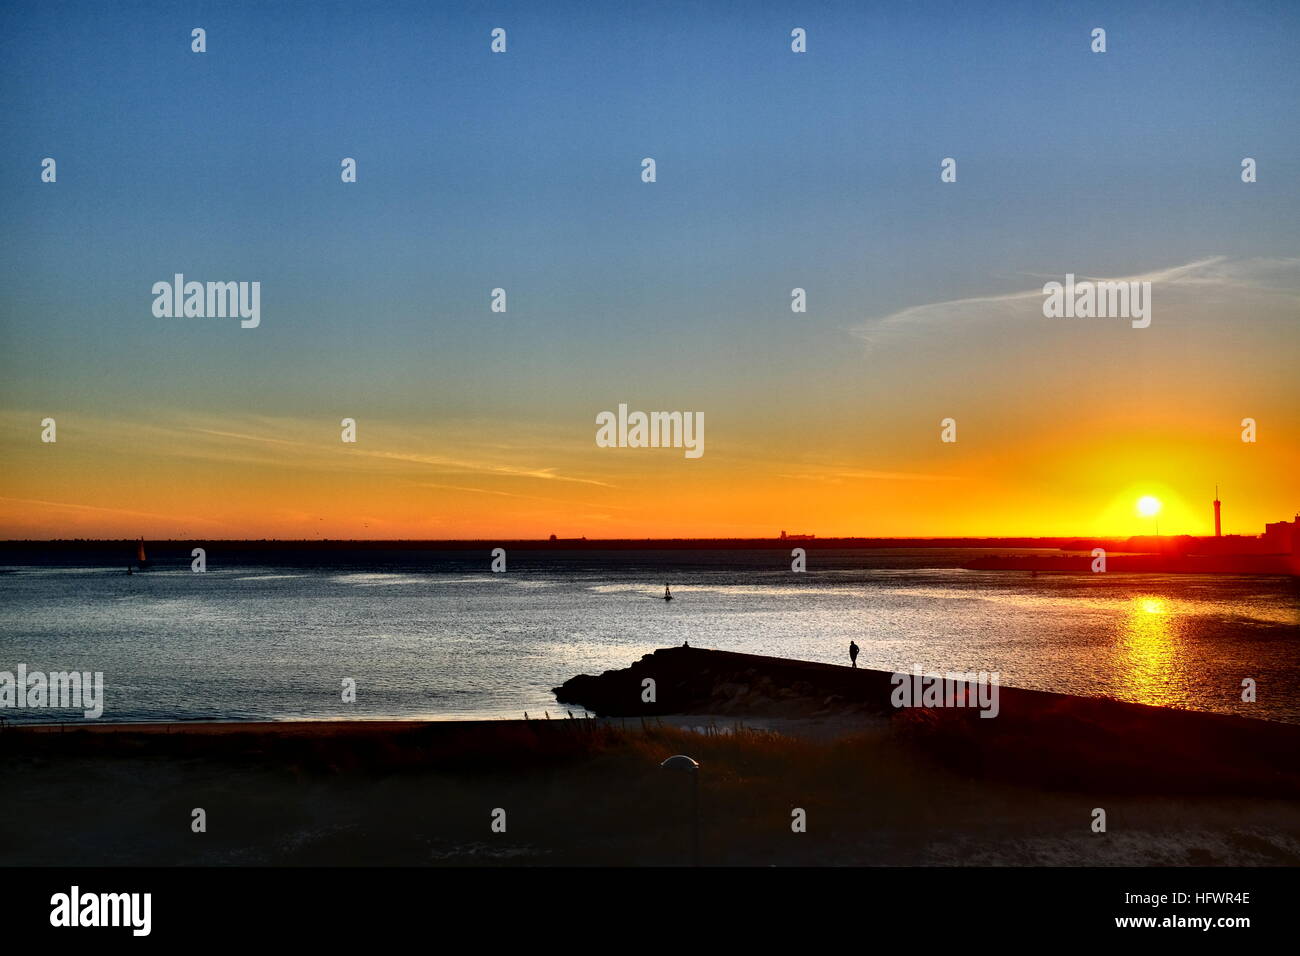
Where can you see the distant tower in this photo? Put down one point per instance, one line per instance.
(1218, 526)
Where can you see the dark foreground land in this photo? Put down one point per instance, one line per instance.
(924, 787)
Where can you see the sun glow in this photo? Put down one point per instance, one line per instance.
(1148, 507)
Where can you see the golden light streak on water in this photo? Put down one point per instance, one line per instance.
(1150, 653)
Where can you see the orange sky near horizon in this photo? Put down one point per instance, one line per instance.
(1061, 427)
(294, 479)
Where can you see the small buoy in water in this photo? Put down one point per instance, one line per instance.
(668, 595)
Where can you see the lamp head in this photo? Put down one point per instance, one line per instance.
(680, 762)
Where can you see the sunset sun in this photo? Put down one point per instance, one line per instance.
(1148, 507)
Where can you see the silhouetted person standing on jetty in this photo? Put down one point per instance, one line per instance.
(853, 653)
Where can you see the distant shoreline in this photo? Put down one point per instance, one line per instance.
(1166, 555)
(1055, 542)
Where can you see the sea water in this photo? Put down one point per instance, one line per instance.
(438, 635)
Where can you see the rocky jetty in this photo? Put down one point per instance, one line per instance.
(1040, 738)
(691, 680)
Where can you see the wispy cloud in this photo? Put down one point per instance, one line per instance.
(96, 509)
(313, 445)
(319, 454)
(483, 468)
(501, 494)
(242, 437)
(1217, 276)
(839, 475)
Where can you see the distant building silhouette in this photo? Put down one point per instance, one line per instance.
(1218, 527)
(1282, 537)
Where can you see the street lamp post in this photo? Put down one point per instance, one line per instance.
(686, 764)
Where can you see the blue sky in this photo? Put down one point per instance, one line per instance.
(521, 170)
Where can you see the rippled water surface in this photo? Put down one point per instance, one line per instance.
(441, 636)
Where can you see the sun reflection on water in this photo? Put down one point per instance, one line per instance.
(1150, 658)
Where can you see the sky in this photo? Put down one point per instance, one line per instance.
(522, 170)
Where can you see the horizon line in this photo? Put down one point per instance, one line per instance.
(561, 540)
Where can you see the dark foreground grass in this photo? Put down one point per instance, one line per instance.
(579, 793)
